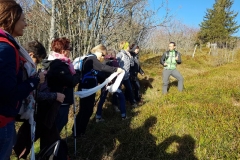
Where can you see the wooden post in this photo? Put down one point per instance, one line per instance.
(210, 51)
(194, 51)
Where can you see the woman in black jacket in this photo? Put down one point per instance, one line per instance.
(134, 70)
(61, 77)
(45, 130)
(89, 80)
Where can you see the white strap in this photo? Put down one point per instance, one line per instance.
(114, 87)
(87, 92)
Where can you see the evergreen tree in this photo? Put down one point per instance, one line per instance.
(219, 23)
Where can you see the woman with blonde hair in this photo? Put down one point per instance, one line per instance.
(91, 66)
(125, 61)
(17, 74)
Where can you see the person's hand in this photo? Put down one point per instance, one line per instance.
(119, 70)
(60, 97)
(41, 77)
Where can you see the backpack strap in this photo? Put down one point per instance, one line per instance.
(2, 39)
(176, 53)
(83, 60)
(167, 55)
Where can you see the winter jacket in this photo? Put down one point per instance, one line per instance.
(136, 68)
(125, 61)
(12, 87)
(60, 79)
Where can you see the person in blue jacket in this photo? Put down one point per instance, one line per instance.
(17, 73)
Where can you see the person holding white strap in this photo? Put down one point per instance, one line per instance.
(90, 69)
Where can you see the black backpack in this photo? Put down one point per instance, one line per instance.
(57, 151)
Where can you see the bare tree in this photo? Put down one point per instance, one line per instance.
(184, 36)
(90, 22)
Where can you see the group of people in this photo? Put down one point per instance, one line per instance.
(50, 91)
(126, 60)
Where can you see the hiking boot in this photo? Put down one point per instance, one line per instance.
(116, 108)
(99, 120)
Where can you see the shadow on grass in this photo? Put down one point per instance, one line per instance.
(117, 140)
(173, 84)
(100, 140)
(145, 83)
(184, 148)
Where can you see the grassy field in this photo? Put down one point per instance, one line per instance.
(203, 122)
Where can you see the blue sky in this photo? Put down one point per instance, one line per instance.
(191, 12)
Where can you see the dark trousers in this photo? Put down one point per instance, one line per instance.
(47, 137)
(62, 117)
(128, 91)
(84, 114)
(136, 88)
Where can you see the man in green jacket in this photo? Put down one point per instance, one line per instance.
(169, 60)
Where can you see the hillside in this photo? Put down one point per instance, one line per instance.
(203, 122)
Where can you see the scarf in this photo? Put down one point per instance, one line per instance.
(54, 55)
(27, 108)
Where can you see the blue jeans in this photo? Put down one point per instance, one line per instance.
(101, 102)
(62, 117)
(122, 103)
(7, 140)
(117, 96)
(129, 91)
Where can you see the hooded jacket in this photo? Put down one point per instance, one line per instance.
(125, 61)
